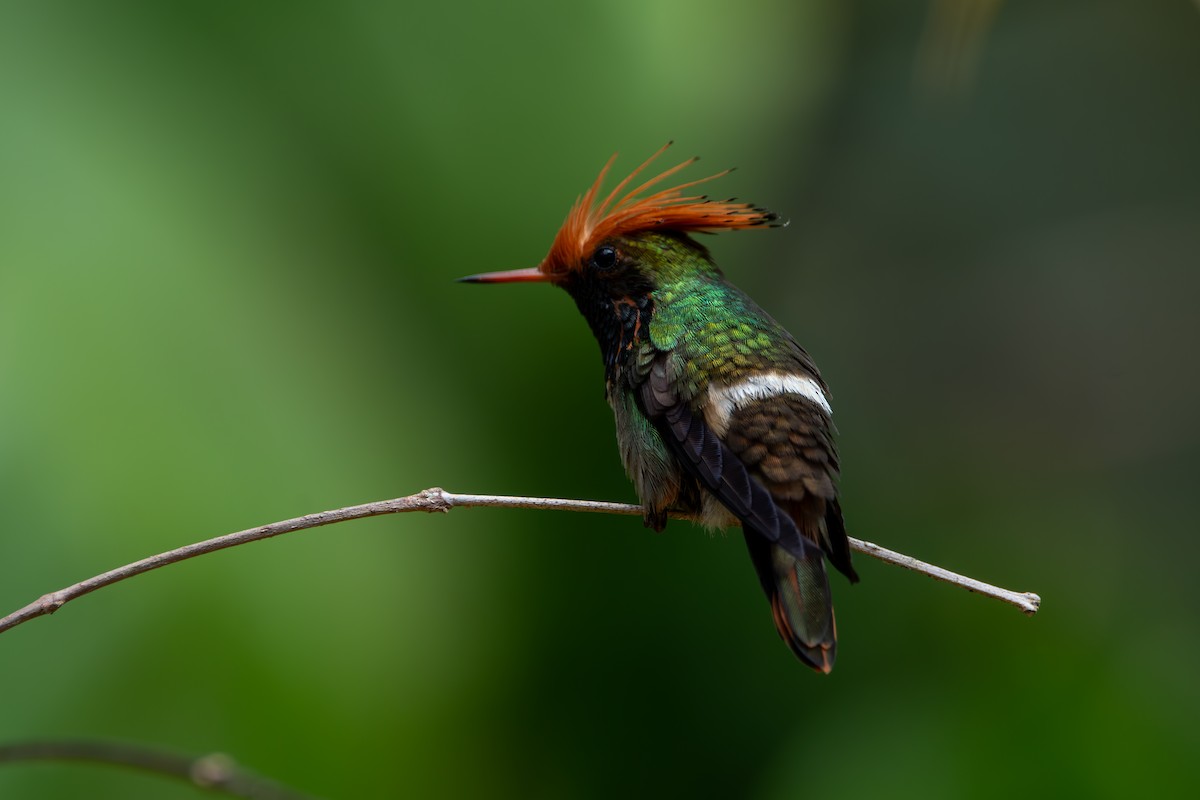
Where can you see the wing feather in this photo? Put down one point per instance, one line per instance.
(710, 460)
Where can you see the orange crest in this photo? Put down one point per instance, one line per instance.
(589, 224)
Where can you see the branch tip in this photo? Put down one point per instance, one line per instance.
(1034, 602)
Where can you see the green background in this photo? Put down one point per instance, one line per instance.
(228, 239)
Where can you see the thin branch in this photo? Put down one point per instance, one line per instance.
(438, 500)
(1026, 601)
(217, 772)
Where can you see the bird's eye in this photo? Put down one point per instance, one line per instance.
(605, 257)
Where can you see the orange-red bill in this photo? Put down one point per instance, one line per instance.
(508, 276)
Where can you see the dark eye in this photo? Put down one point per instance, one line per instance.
(605, 257)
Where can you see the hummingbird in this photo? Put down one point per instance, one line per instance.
(720, 414)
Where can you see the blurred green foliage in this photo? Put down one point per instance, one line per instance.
(228, 234)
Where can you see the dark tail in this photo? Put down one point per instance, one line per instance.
(800, 599)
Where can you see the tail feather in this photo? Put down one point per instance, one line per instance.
(801, 602)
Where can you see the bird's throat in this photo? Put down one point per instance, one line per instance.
(620, 321)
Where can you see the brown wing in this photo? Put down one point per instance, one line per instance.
(704, 456)
(786, 442)
(776, 471)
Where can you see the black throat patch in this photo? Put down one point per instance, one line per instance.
(618, 310)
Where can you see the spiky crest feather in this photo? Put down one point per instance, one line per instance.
(588, 224)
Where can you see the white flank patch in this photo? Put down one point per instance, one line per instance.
(724, 399)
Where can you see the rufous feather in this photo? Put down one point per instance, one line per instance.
(589, 223)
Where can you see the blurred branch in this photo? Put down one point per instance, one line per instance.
(216, 772)
(438, 500)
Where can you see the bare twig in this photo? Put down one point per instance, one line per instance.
(216, 771)
(438, 500)
(1026, 601)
